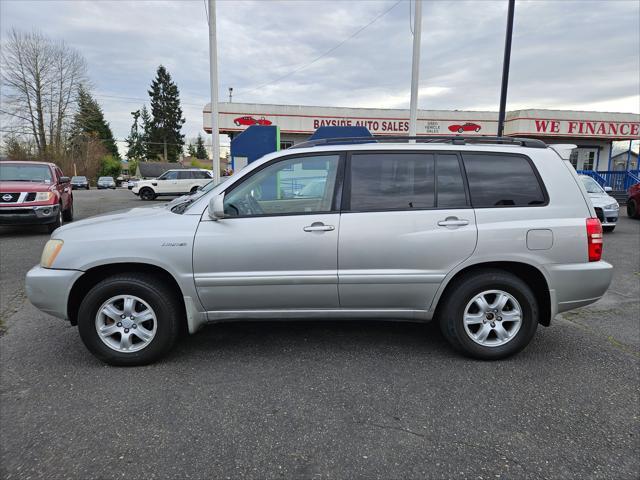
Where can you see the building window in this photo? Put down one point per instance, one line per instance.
(286, 144)
(588, 164)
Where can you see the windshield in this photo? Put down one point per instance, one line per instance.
(106, 179)
(591, 185)
(25, 173)
(78, 179)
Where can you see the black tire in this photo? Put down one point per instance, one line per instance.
(162, 299)
(608, 229)
(632, 209)
(464, 290)
(59, 221)
(147, 194)
(193, 190)
(67, 214)
(88, 187)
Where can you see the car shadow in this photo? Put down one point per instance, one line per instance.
(284, 337)
(24, 230)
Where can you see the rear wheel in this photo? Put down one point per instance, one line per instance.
(129, 319)
(632, 209)
(147, 194)
(489, 315)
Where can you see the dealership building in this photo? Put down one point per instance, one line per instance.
(592, 132)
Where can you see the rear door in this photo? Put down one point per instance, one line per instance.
(406, 222)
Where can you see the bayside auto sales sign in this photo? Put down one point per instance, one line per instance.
(298, 119)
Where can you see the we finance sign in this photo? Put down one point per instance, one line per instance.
(578, 128)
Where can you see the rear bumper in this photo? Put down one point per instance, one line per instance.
(577, 284)
(28, 215)
(48, 289)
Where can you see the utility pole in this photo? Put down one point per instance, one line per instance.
(505, 68)
(415, 69)
(230, 94)
(213, 78)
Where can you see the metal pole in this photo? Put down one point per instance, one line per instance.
(415, 69)
(610, 153)
(629, 157)
(505, 68)
(213, 78)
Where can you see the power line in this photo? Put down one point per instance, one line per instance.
(302, 67)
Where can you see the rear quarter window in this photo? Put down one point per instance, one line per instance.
(503, 180)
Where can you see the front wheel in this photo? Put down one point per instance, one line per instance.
(147, 194)
(58, 222)
(489, 315)
(68, 213)
(129, 319)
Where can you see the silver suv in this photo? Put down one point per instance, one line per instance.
(490, 237)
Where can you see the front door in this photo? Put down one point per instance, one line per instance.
(167, 182)
(406, 223)
(276, 249)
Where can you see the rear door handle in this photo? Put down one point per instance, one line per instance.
(319, 227)
(453, 222)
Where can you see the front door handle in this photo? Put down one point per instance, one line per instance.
(453, 222)
(319, 227)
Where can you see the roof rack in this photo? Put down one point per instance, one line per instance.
(451, 139)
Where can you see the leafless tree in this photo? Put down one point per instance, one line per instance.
(40, 79)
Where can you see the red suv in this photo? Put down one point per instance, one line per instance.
(34, 193)
(633, 202)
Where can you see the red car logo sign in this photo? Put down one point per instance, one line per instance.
(467, 127)
(248, 120)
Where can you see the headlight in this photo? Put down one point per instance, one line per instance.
(612, 206)
(43, 196)
(50, 252)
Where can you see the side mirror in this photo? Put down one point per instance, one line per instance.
(216, 207)
(65, 179)
(608, 189)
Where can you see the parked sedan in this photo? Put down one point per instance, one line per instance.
(607, 208)
(79, 182)
(106, 182)
(633, 202)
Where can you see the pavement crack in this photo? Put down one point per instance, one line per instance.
(392, 427)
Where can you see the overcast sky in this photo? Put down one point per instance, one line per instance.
(568, 55)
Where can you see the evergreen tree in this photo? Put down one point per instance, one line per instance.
(145, 132)
(191, 150)
(166, 141)
(136, 149)
(201, 151)
(89, 120)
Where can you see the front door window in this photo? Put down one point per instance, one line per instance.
(300, 185)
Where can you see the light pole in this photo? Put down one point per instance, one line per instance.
(213, 78)
(415, 69)
(505, 68)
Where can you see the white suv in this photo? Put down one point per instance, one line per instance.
(173, 182)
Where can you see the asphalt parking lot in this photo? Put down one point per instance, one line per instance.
(321, 400)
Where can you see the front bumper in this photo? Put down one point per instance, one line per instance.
(49, 288)
(608, 216)
(28, 215)
(575, 285)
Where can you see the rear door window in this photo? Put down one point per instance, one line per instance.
(502, 180)
(391, 181)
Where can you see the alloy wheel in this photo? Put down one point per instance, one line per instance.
(492, 318)
(126, 323)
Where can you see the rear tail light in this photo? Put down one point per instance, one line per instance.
(594, 239)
